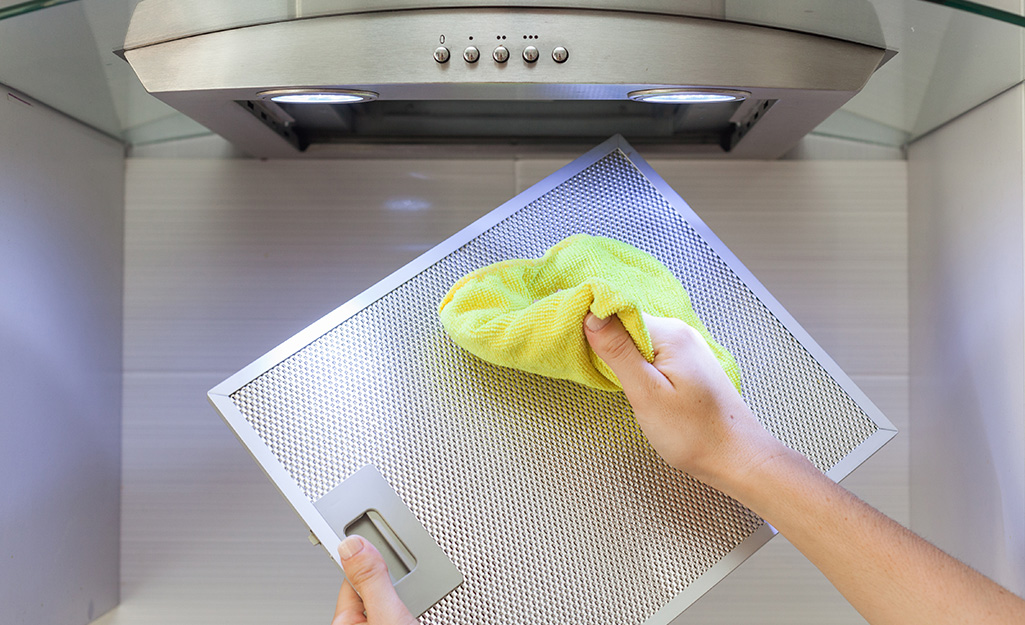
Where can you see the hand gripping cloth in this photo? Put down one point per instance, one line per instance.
(528, 314)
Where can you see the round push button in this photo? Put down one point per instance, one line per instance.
(501, 54)
(530, 54)
(471, 54)
(441, 54)
(560, 54)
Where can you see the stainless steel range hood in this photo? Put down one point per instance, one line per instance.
(488, 72)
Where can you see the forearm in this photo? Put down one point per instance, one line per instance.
(888, 574)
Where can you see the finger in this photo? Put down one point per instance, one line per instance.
(368, 575)
(613, 344)
(670, 332)
(683, 353)
(349, 609)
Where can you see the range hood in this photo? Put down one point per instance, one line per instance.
(488, 72)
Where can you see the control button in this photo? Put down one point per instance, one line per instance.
(501, 54)
(441, 54)
(530, 54)
(560, 54)
(471, 54)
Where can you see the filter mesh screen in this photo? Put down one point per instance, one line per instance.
(543, 493)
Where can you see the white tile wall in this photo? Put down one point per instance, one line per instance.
(225, 259)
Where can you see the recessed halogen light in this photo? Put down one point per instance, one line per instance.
(318, 96)
(687, 96)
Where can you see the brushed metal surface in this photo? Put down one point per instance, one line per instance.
(691, 52)
(157, 20)
(543, 493)
(393, 54)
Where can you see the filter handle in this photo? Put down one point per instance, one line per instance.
(365, 504)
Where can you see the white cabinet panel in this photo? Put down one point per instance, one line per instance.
(61, 217)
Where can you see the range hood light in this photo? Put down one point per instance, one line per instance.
(318, 96)
(687, 96)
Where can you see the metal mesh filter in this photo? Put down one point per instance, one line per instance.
(543, 493)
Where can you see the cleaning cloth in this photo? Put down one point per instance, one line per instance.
(528, 313)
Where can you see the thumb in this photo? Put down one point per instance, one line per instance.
(368, 574)
(614, 345)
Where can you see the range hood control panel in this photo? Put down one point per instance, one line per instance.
(501, 54)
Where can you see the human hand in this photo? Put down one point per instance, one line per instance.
(694, 418)
(367, 596)
(684, 402)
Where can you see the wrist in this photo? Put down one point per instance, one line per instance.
(774, 477)
(748, 466)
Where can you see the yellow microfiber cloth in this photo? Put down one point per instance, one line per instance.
(528, 314)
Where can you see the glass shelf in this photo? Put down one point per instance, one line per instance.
(952, 55)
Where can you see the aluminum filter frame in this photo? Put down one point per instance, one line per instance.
(542, 492)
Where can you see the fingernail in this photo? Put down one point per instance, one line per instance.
(595, 323)
(350, 547)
